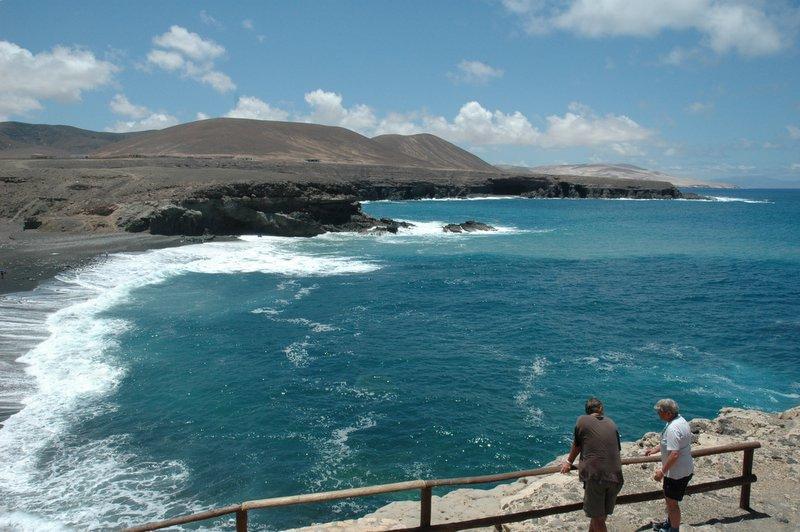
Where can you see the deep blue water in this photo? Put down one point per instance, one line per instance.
(418, 355)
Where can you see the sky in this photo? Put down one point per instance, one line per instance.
(708, 89)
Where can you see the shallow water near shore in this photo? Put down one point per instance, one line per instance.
(188, 378)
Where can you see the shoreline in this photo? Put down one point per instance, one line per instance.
(31, 260)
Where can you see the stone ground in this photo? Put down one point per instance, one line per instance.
(775, 498)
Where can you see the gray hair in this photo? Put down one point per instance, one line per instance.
(667, 406)
(594, 406)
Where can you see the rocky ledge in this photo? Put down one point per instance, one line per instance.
(309, 209)
(774, 499)
(470, 226)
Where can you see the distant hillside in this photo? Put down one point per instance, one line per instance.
(617, 171)
(292, 141)
(434, 150)
(18, 139)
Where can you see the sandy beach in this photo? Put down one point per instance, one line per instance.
(30, 257)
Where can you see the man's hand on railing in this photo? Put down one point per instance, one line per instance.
(652, 450)
(565, 467)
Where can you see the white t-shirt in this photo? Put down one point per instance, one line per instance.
(677, 436)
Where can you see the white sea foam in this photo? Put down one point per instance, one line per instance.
(529, 376)
(426, 231)
(434, 228)
(304, 291)
(313, 325)
(333, 451)
(297, 352)
(56, 478)
(266, 310)
(727, 199)
(472, 198)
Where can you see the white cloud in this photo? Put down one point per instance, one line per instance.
(678, 56)
(201, 116)
(749, 27)
(219, 81)
(61, 74)
(327, 108)
(697, 108)
(208, 20)
(120, 105)
(581, 127)
(166, 60)
(153, 121)
(795, 167)
(187, 52)
(475, 72)
(142, 118)
(473, 125)
(794, 132)
(189, 44)
(247, 24)
(476, 125)
(252, 107)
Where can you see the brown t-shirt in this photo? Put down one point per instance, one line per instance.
(598, 438)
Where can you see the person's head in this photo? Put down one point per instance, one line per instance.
(594, 406)
(667, 409)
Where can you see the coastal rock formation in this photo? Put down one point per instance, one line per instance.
(470, 226)
(774, 499)
(312, 208)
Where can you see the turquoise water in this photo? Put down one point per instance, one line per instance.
(207, 375)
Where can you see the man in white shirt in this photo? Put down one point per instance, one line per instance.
(677, 465)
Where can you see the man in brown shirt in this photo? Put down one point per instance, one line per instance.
(596, 439)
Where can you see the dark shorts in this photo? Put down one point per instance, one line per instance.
(599, 497)
(675, 488)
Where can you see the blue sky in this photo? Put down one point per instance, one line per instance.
(699, 88)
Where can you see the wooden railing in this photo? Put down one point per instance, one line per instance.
(426, 492)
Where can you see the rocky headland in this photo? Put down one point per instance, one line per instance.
(190, 196)
(775, 500)
(62, 186)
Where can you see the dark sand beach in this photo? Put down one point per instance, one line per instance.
(30, 257)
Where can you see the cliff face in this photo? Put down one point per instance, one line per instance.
(308, 209)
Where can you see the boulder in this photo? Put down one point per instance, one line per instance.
(175, 220)
(470, 226)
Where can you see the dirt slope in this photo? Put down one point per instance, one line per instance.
(20, 140)
(434, 150)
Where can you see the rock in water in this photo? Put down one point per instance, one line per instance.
(470, 226)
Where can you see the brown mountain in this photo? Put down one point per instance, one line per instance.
(436, 151)
(290, 141)
(20, 140)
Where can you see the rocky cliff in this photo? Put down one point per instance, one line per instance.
(308, 209)
(775, 499)
(193, 196)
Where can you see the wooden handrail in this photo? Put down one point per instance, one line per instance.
(426, 487)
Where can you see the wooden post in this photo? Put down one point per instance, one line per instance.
(747, 471)
(241, 521)
(425, 507)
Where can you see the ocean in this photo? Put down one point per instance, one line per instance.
(182, 379)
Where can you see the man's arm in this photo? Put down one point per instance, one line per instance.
(672, 457)
(566, 465)
(673, 446)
